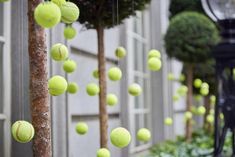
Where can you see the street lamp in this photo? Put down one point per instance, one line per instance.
(223, 12)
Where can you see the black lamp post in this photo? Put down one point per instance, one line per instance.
(223, 12)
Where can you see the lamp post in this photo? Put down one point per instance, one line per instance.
(223, 12)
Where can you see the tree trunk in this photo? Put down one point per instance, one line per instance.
(189, 100)
(103, 116)
(39, 99)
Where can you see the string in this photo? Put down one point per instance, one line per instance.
(21, 61)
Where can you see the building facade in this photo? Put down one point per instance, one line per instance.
(138, 35)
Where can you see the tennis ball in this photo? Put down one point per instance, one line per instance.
(221, 115)
(154, 64)
(182, 77)
(197, 83)
(4, 0)
(95, 74)
(212, 111)
(69, 12)
(103, 152)
(69, 66)
(194, 110)
(204, 91)
(168, 121)
(81, 128)
(201, 110)
(154, 53)
(47, 14)
(22, 131)
(210, 118)
(182, 90)
(188, 115)
(69, 32)
(205, 85)
(134, 89)
(57, 85)
(120, 52)
(59, 2)
(212, 99)
(72, 88)
(115, 74)
(198, 97)
(59, 52)
(175, 98)
(143, 135)
(92, 89)
(120, 137)
(170, 76)
(111, 99)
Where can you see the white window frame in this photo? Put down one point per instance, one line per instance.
(6, 60)
(131, 36)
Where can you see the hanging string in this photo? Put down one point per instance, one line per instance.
(21, 59)
(117, 11)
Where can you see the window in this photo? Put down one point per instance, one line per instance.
(5, 80)
(138, 47)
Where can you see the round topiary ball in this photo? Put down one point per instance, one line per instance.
(190, 37)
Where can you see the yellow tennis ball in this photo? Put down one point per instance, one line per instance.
(134, 89)
(175, 98)
(81, 128)
(198, 97)
(72, 88)
(95, 74)
(188, 115)
(168, 121)
(59, 52)
(111, 99)
(154, 64)
(201, 110)
(115, 74)
(92, 89)
(47, 14)
(154, 53)
(59, 2)
(69, 66)
(204, 91)
(182, 77)
(69, 12)
(170, 76)
(197, 83)
(120, 137)
(205, 85)
(4, 0)
(212, 111)
(210, 118)
(120, 52)
(22, 131)
(182, 90)
(103, 152)
(144, 135)
(212, 99)
(69, 32)
(57, 85)
(221, 115)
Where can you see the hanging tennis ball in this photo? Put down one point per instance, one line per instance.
(221, 115)
(212, 100)
(212, 111)
(120, 52)
(115, 74)
(168, 121)
(175, 98)
(81, 128)
(134, 89)
(69, 32)
(59, 2)
(197, 83)
(204, 91)
(57, 85)
(95, 74)
(154, 64)
(198, 97)
(210, 118)
(47, 14)
(103, 152)
(201, 110)
(111, 99)
(205, 85)
(69, 12)
(143, 135)
(154, 53)
(188, 115)
(182, 90)
(22, 131)
(72, 88)
(182, 78)
(194, 110)
(69, 66)
(4, 0)
(59, 52)
(120, 137)
(170, 76)
(92, 89)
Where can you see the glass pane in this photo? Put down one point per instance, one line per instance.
(140, 56)
(1, 19)
(2, 138)
(1, 80)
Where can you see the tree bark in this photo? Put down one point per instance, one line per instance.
(39, 99)
(103, 115)
(189, 100)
